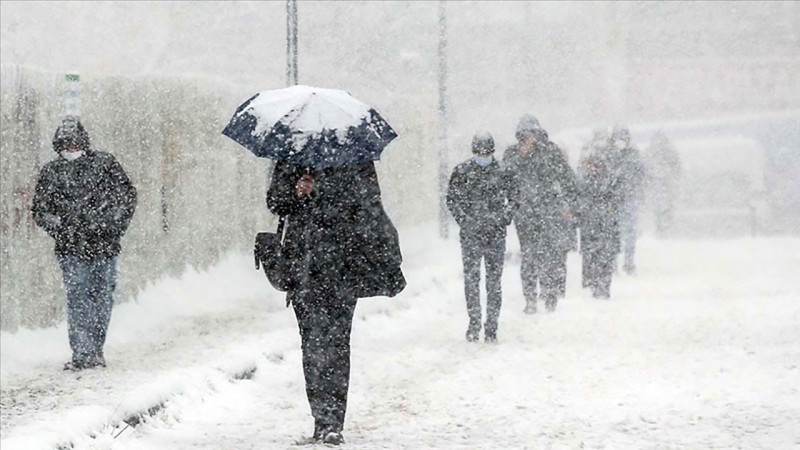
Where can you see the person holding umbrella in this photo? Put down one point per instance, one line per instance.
(481, 198)
(341, 243)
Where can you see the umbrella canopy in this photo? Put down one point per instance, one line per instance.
(310, 126)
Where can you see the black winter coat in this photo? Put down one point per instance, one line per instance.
(548, 195)
(339, 238)
(85, 205)
(482, 200)
(600, 201)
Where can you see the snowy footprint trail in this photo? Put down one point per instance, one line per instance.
(700, 350)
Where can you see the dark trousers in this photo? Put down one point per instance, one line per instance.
(491, 248)
(598, 267)
(325, 326)
(543, 269)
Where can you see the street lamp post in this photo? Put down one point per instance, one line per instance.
(291, 42)
(443, 153)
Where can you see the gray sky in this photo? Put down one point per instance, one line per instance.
(569, 63)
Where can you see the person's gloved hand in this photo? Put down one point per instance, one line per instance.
(305, 185)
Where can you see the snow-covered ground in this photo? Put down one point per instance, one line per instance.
(700, 350)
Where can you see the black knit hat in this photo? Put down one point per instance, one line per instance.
(70, 133)
(483, 144)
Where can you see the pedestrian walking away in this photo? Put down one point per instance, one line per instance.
(548, 200)
(85, 201)
(630, 173)
(664, 171)
(482, 199)
(599, 223)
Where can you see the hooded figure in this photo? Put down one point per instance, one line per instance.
(630, 173)
(548, 198)
(85, 201)
(343, 247)
(482, 200)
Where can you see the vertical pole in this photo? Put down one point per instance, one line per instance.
(443, 153)
(291, 42)
(291, 60)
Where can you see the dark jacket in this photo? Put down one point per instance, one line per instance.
(548, 195)
(85, 205)
(481, 199)
(339, 238)
(600, 201)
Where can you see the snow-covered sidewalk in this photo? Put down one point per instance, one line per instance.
(700, 350)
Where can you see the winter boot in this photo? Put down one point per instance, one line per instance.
(97, 360)
(490, 333)
(333, 438)
(530, 307)
(473, 331)
(550, 304)
(75, 365)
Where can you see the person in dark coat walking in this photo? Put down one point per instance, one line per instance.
(343, 247)
(548, 200)
(599, 224)
(630, 174)
(85, 201)
(481, 200)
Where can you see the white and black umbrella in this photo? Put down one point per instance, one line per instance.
(310, 126)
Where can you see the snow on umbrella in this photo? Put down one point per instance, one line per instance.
(310, 126)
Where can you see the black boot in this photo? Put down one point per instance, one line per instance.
(473, 331)
(75, 365)
(97, 360)
(473, 335)
(490, 333)
(333, 438)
